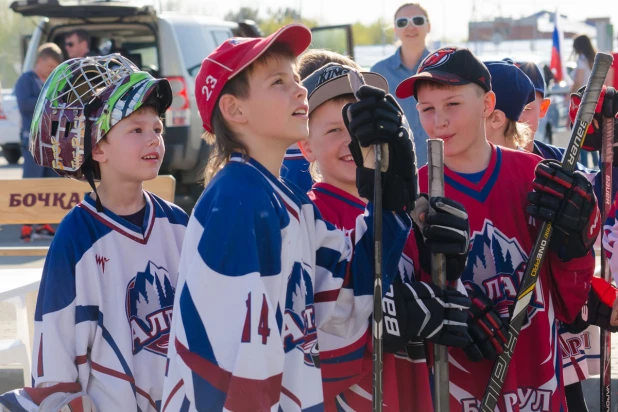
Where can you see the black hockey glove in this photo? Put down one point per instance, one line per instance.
(446, 230)
(422, 310)
(607, 106)
(377, 119)
(567, 201)
(486, 327)
(598, 310)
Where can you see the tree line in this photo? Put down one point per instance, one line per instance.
(377, 32)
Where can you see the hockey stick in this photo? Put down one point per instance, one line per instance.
(356, 81)
(585, 113)
(607, 155)
(435, 149)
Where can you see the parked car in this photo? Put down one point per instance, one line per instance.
(166, 45)
(169, 45)
(10, 125)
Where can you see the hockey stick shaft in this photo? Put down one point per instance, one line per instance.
(584, 116)
(435, 149)
(607, 156)
(356, 81)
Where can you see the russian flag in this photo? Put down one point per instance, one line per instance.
(556, 65)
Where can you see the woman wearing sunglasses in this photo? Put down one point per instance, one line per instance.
(411, 28)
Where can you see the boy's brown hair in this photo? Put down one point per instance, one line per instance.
(50, 51)
(312, 60)
(224, 141)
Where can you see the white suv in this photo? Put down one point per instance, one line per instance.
(166, 45)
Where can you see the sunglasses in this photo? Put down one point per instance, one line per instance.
(69, 44)
(415, 20)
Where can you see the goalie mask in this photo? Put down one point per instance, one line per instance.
(80, 102)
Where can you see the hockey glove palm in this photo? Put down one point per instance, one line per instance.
(486, 327)
(567, 201)
(598, 310)
(445, 230)
(422, 310)
(607, 106)
(377, 119)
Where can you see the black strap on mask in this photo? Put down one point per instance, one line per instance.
(88, 166)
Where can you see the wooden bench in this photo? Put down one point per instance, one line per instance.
(39, 201)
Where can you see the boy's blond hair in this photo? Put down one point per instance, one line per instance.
(518, 133)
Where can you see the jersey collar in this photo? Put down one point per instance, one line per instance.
(482, 188)
(121, 225)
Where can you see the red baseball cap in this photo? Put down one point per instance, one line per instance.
(233, 56)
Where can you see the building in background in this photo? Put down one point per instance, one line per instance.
(539, 26)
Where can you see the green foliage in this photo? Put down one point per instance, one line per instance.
(281, 17)
(244, 13)
(12, 27)
(377, 32)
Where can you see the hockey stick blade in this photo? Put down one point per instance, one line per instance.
(356, 81)
(602, 62)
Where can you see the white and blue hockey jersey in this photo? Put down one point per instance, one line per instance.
(104, 309)
(260, 271)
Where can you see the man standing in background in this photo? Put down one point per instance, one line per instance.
(77, 44)
(27, 90)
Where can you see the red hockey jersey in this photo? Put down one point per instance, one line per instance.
(502, 235)
(347, 363)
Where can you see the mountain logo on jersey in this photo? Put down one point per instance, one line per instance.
(149, 303)
(299, 330)
(498, 263)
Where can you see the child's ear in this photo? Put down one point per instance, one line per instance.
(544, 107)
(489, 104)
(231, 109)
(305, 148)
(497, 120)
(98, 152)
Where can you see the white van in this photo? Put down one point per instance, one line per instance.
(166, 45)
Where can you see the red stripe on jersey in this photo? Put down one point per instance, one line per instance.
(326, 296)
(39, 366)
(172, 393)
(76, 405)
(337, 353)
(242, 393)
(39, 394)
(80, 360)
(115, 226)
(100, 368)
(578, 370)
(290, 395)
(291, 210)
